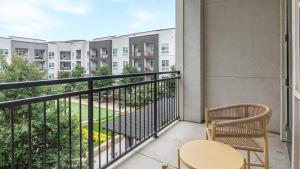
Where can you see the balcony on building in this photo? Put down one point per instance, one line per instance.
(39, 54)
(92, 54)
(78, 54)
(103, 53)
(137, 51)
(227, 52)
(65, 55)
(65, 66)
(40, 65)
(22, 52)
(149, 50)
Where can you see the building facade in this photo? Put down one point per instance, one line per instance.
(65, 55)
(148, 51)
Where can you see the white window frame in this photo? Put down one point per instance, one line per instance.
(115, 65)
(115, 52)
(165, 48)
(165, 65)
(125, 51)
(51, 65)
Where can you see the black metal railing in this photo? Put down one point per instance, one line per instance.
(87, 122)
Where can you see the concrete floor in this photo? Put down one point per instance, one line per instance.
(163, 150)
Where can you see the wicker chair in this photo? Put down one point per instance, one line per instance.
(239, 126)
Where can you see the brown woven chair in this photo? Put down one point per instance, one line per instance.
(239, 126)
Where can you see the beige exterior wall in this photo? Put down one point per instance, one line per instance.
(189, 58)
(241, 55)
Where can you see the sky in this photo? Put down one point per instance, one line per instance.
(83, 19)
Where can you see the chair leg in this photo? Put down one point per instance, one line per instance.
(178, 158)
(266, 156)
(248, 159)
(266, 151)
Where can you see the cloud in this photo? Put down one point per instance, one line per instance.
(77, 7)
(141, 19)
(23, 19)
(32, 17)
(144, 15)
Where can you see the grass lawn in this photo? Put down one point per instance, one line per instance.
(84, 113)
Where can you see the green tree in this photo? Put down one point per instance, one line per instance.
(63, 74)
(22, 70)
(131, 70)
(103, 71)
(79, 71)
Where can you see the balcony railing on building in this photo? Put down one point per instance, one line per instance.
(91, 126)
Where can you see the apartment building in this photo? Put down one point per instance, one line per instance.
(148, 51)
(34, 50)
(100, 53)
(65, 55)
(5, 48)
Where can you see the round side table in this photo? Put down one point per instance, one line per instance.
(204, 154)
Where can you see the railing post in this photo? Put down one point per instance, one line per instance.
(155, 105)
(90, 125)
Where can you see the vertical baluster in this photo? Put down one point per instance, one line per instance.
(148, 108)
(99, 127)
(155, 105)
(113, 133)
(44, 136)
(12, 125)
(120, 121)
(90, 125)
(106, 121)
(58, 134)
(130, 118)
(144, 113)
(140, 113)
(70, 134)
(135, 112)
(30, 134)
(80, 132)
(125, 125)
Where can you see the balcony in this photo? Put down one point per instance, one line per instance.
(65, 65)
(65, 56)
(39, 54)
(92, 54)
(68, 122)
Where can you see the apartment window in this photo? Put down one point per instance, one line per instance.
(65, 55)
(165, 48)
(78, 54)
(165, 64)
(115, 65)
(51, 65)
(78, 63)
(125, 63)
(51, 55)
(115, 52)
(21, 52)
(51, 76)
(125, 51)
(3, 51)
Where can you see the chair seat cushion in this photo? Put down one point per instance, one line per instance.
(241, 143)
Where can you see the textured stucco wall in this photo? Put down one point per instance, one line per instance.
(240, 60)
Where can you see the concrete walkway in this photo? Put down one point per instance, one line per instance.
(163, 150)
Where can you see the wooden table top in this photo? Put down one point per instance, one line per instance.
(203, 154)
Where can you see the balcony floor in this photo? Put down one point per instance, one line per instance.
(163, 150)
